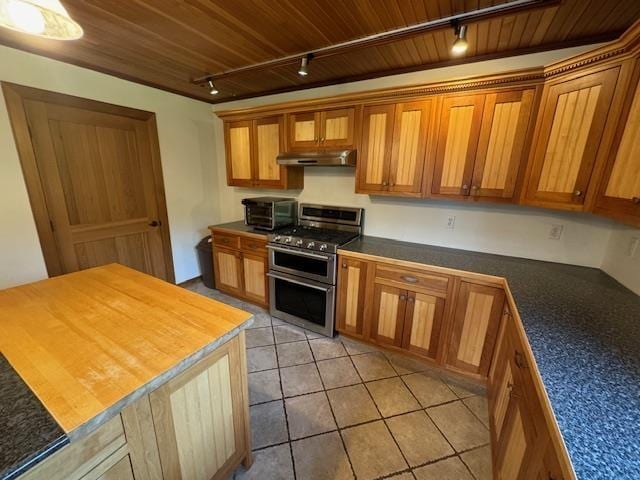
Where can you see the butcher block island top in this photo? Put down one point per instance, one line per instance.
(91, 342)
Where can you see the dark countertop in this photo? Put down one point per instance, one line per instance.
(584, 330)
(28, 433)
(239, 226)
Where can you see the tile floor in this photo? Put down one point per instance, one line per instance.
(334, 409)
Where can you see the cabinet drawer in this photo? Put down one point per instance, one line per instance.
(229, 241)
(412, 279)
(252, 245)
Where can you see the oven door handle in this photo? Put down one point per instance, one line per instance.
(297, 282)
(302, 253)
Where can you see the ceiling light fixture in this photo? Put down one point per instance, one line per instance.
(460, 45)
(44, 18)
(212, 88)
(304, 62)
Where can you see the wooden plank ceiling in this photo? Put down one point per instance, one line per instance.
(168, 43)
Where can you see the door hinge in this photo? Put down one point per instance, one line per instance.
(51, 225)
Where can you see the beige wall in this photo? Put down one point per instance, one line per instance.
(618, 261)
(185, 129)
(510, 230)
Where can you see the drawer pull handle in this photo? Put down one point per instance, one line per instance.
(519, 359)
(409, 279)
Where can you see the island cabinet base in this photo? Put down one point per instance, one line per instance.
(194, 427)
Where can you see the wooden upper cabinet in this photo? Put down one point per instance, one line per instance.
(475, 327)
(457, 141)
(238, 146)
(252, 147)
(619, 195)
(330, 129)
(571, 124)
(501, 146)
(392, 153)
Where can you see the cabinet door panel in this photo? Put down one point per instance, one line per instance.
(375, 154)
(620, 192)
(254, 268)
(351, 295)
(269, 142)
(475, 327)
(410, 135)
(572, 122)
(458, 136)
(228, 270)
(304, 130)
(238, 136)
(337, 128)
(388, 314)
(423, 322)
(501, 145)
(198, 417)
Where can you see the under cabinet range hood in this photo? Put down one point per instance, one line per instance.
(334, 158)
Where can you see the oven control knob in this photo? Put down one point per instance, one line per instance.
(311, 244)
(323, 247)
(287, 240)
(299, 243)
(277, 238)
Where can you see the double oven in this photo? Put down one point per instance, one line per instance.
(302, 266)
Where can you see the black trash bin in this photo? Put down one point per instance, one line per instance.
(205, 259)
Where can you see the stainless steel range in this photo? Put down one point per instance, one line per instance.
(302, 265)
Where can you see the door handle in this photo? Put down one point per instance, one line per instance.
(409, 279)
(154, 223)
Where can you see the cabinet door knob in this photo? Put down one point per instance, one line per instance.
(519, 359)
(403, 297)
(322, 140)
(636, 200)
(384, 184)
(154, 223)
(410, 299)
(577, 193)
(465, 187)
(512, 393)
(344, 265)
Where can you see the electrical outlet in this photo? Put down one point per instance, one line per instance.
(556, 232)
(451, 223)
(633, 247)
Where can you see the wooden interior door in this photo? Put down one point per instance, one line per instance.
(571, 124)
(337, 128)
(239, 153)
(458, 135)
(269, 142)
(410, 133)
(423, 323)
(475, 327)
(228, 270)
(388, 314)
(94, 178)
(199, 417)
(304, 130)
(500, 154)
(377, 142)
(351, 296)
(619, 194)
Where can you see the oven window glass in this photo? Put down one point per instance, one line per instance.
(300, 263)
(301, 301)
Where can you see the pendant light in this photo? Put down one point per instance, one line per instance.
(460, 45)
(44, 18)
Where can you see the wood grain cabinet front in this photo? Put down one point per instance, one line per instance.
(350, 303)
(481, 144)
(252, 147)
(474, 327)
(329, 129)
(619, 195)
(571, 139)
(393, 146)
(228, 270)
(199, 418)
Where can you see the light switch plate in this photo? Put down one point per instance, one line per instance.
(451, 223)
(556, 232)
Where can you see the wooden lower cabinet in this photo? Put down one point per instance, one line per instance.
(423, 323)
(388, 314)
(240, 266)
(474, 327)
(194, 427)
(352, 277)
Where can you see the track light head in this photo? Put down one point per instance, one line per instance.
(460, 45)
(304, 62)
(212, 88)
